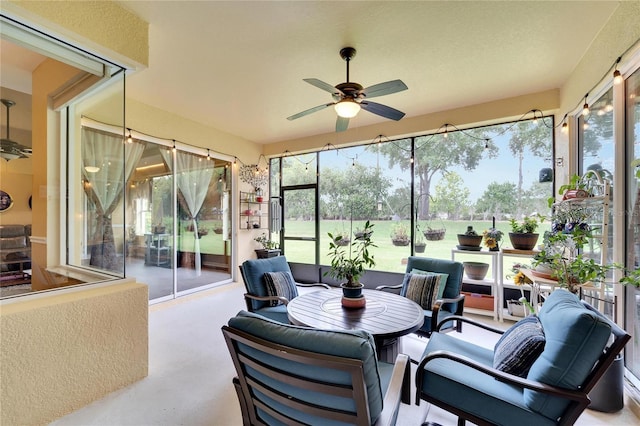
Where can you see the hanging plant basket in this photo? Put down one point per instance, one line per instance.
(400, 242)
(434, 234)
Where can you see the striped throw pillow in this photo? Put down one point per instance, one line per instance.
(519, 347)
(280, 284)
(423, 289)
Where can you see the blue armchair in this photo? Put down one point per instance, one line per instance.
(297, 375)
(258, 298)
(549, 386)
(451, 303)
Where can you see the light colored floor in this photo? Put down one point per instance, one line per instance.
(190, 372)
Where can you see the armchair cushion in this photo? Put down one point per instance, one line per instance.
(280, 284)
(253, 273)
(422, 289)
(575, 339)
(356, 344)
(519, 347)
(443, 279)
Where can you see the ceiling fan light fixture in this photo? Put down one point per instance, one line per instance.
(347, 108)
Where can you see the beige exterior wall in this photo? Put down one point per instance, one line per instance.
(64, 350)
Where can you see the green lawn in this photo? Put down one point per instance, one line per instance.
(388, 257)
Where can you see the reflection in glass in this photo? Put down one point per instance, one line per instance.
(103, 170)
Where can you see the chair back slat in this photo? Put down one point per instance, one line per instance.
(287, 395)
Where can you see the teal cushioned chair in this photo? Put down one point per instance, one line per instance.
(298, 375)
(451, 303)
(459, 376)
(256, 297)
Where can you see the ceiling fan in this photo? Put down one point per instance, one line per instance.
(10, 150)
(350, 97)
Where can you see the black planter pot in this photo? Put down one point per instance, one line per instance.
(420, 248)
(351, 292)
(265, 254)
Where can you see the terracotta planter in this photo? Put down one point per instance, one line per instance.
(523, 241)
(352, 297)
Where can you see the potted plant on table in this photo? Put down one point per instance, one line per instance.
(349, 262)
(523, 234)
(469, 240)
(492, 237)
(269, 247)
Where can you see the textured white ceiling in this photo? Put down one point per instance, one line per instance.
(238, 65)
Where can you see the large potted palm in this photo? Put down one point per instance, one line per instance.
(349, 262)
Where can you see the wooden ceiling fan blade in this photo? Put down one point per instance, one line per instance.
(309, 111)
(322, 85)
(382, 110)
(342, 124)
(386, 88)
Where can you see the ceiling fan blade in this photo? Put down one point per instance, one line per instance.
(309, 111)
(322, 85)
(382, 110)
(342, 124)
(385, 88)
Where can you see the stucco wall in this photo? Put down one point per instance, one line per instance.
(62, 351)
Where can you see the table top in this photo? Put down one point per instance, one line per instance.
(385, 315)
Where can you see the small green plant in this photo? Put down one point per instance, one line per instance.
(470, 232)
(528, 225)
(348, 262)
(265, 242)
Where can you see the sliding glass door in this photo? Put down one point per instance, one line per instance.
(179, 221)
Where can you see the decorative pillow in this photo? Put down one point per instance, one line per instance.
(443, 279)
(422, 289)
(519, 347)
(280, 284)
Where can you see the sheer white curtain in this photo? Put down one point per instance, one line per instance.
(193, 175)
(107, 165)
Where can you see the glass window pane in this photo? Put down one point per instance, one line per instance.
(100, 163)
(632, 294)
(204, 255)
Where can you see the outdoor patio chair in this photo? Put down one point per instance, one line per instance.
(532, 384)
(296, 375)
(449, 301)
(270, 298)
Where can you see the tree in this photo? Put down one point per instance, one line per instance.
(526, 135)
(340, 196)
(451, 196)
(437, 153)
(498, 199)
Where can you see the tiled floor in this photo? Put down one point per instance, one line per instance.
(190, 373)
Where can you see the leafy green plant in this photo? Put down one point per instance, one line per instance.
(528, 225)
(348, 262)
(570, 269)
(266, 243)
